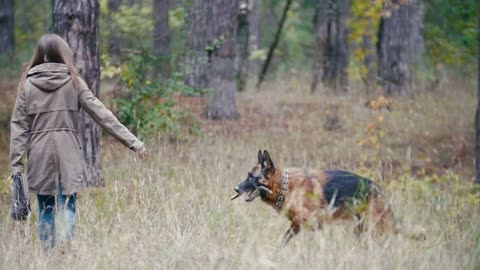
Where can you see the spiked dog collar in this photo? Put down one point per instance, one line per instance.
(283, 190)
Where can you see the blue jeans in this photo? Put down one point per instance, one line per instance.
(66, 210)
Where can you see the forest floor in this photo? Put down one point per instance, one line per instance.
(430, 133)
(173, 210)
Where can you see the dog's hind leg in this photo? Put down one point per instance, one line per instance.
(290, 233)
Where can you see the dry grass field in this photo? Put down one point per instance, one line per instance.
(173, 211)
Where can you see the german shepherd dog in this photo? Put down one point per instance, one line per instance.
(311, 198)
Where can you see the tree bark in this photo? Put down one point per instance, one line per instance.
(335, 73)
(369, 62)
(417, 42)
(114, 5)
(255, 33)
(399, 40)
(477, 116)
(77, 22)
(7, 28)
(115, 40)
(199, 33)
(139, 3)
(161, 36)
(320, 22)
(222, 104)
(331, 44)
(274, 44)
(242, 45)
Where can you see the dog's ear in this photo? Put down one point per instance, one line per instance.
(268, 161)
(260, 158)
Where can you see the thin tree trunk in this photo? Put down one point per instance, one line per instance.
(335, 74)
(115, 40)
(398, 38)
(477, 116)
(417, 42)
(255, 35)
(274, 44)
(7, 28)
(139, 3)
(331, 45)
(77, 22)
(161, 35)
(114, 5)
(199, 33)
(320, 20)
(343, 48)
(222, 104)
(242, 45)
(368, 47)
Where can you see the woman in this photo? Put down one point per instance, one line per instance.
(45, 126)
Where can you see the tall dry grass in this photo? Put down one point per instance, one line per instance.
(173, 210)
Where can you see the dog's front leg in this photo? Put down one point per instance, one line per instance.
(290, 233)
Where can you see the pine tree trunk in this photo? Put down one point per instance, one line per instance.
(417, 42)
(139, 3)
(77, 22)
(273, 46)
(7, 28)
(343, 46)
(222, 103)
(399, 40)
(199, 33)
(115, 40)
(477, 116)
(369, 61)
(255, 35)
(161, 36)
(335, 74)
(331, 44)
(242, 45)
(320, 22)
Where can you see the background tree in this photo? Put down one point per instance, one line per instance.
(320, 31)
(396, 34)
(337, 55)
(161, 35)
(274, 44)
(199, 32)
(243, 35)
(331, 44)
(477, 116)
(417, 40)
(77, 22)
(115, 40)
(222, 103)
(254, 25)
(7, 30)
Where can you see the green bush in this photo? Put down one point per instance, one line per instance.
(148, 105)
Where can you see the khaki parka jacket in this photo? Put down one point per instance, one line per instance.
(44, 126)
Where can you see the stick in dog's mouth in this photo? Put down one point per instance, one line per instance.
(252, 194)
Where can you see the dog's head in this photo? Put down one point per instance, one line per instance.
(259, 179)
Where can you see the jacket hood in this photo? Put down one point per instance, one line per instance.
(49, 76)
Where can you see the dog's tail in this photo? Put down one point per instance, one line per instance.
(415, 232)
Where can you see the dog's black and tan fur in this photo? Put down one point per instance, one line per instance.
(315, 197)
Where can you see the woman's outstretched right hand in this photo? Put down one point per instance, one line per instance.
(142, 152)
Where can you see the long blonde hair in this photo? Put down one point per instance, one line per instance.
(51, 48)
